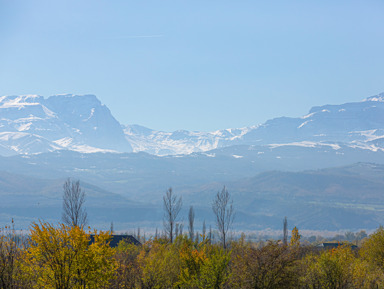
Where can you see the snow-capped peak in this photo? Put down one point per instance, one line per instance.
(378, 98)
(82, 123)
(20, 101)
(55, 120)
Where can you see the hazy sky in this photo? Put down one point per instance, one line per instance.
(196, 65)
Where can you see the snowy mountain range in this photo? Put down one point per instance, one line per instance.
(359, 124)
(273, 170)
(32, 124)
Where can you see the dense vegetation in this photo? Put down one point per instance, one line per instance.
(63, 257)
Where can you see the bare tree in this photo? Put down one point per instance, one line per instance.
(191, 221)
(9, 255)
(285, 232)
(222, 207)
(172, 207)
(204, 229)
(111, 229)
(181, 228)
(177, 230)
(74, 213)
(138, 236)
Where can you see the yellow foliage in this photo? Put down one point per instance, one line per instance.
(63, 258)
(338, 268)
(159, 264)
(295, 238)
(203, 265)
(373, 249)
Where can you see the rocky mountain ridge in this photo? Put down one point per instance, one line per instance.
(358, 124)
(33, 124)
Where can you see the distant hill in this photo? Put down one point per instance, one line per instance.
(348, 197)
(26, 199)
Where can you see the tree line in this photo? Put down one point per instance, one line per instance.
(63, 257)
(71, 255)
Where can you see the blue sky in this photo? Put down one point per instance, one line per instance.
(196, 65)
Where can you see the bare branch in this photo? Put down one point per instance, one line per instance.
(191, 220)
(172, 207)
(74, 213)
(285, 231)
(222, 207)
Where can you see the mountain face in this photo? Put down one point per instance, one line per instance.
(32, 124)
(181, 141)
(359, 124)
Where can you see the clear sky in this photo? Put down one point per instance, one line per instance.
(195, 65)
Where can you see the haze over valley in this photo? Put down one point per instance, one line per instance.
(324, 169)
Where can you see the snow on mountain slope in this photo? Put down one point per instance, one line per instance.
(90, 123)
(348, 123)
(359, 124)
(33, 124)
(181, 141)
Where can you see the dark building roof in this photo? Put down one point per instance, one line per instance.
(115, 240)
(334, 245)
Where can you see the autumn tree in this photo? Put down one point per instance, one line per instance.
(269, 267)
(222, 207)
(172, 206)
(203, 265)
(159, 264)
(372, 251)
(63, 258)
(295, 237)
(337, 268)
(373, 248)
(74, 213)
(128, 274)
